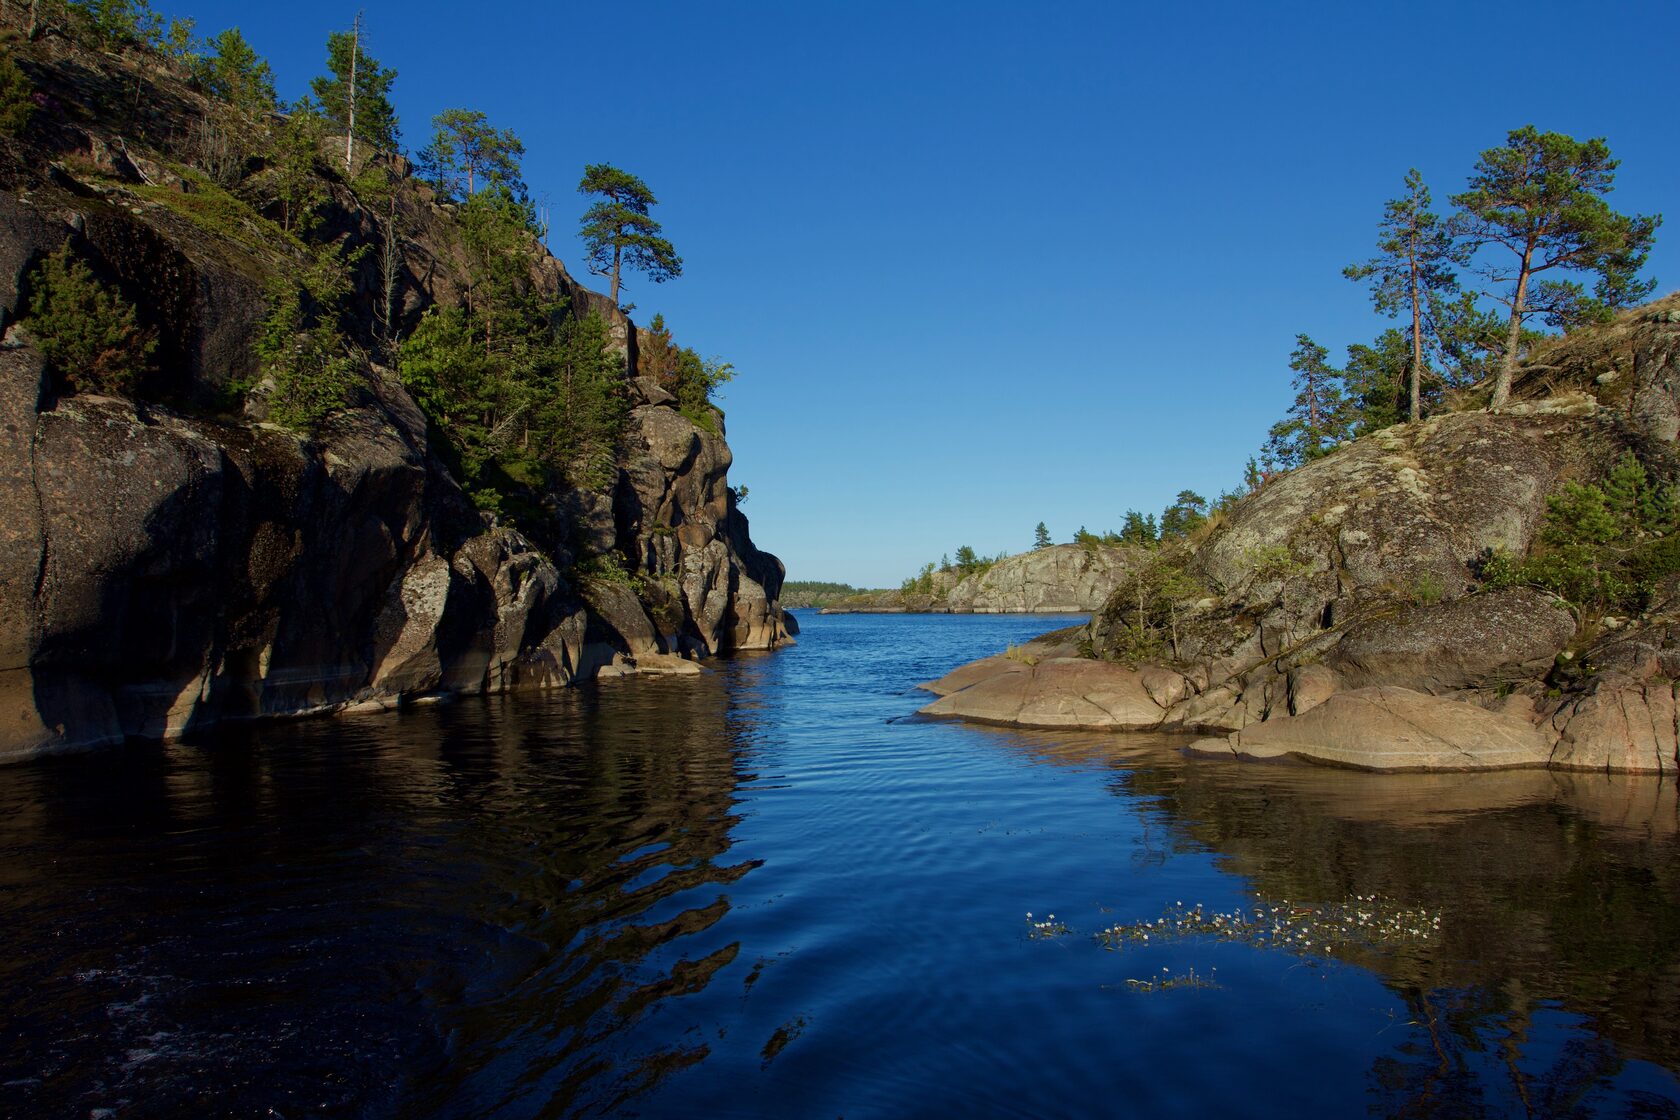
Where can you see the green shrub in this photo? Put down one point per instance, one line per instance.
(86, 331)
(536, 405)
(17, 100)
(921, 583)
(1603, 547)
(683, 372)
(1141, 620)
(299, 343)
(1273, 561)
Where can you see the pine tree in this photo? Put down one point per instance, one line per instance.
(1319, 416)
(1187, 514)
(618, 231)
(236, 73)
(464, 144)
(355, 93)
(1540, 198)
(1414, 258)
(17, 103)
(1041, 537)
(1467, 341)
(1375, 382)
(1139, 529)
(293, 178)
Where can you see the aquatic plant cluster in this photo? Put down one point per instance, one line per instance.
(1168, 981)
(1045, 928)
(1363, 922)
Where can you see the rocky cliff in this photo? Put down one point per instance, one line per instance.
(1344, 613)
(1061, 579)
(173, 559)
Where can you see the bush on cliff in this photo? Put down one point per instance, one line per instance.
(17, 97)
(543, 407)
(681, 371)
(1603, 547)
(1142, 620)
(86, 331)
(300, 344)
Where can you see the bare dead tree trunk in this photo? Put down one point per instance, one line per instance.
(390, 267)
(350, 94)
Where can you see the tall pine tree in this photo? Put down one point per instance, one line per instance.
(1540, 200)
(1414, 259)
(350, 68)
(617, 230)
(1319, 416)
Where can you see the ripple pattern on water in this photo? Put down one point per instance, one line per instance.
(770, 891)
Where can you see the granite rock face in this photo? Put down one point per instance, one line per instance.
(1500, 637)
(1061, 579)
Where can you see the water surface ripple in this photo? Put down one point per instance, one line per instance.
(769, 892)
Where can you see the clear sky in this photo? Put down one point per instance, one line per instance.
(979, 265)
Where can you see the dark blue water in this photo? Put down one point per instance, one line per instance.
(767, 892)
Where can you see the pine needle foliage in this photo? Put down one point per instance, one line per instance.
(17, 97)
(87, 331)
(301, 346)
(1604, 546)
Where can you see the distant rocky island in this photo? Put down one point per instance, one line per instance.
(1056, 579)
(1480, 589)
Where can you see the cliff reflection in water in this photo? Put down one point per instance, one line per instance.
(1558, 953)
(458, 908)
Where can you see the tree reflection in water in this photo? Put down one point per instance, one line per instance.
(1558, 954)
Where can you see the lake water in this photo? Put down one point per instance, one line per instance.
(769, 892)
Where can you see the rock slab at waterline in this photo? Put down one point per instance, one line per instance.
(1344, 620)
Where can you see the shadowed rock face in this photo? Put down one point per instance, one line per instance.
(1344, 621)
(1502, 636)
(164, 566)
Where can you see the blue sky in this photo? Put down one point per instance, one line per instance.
(980, 265)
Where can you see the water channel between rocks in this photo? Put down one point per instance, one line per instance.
(769, 892)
